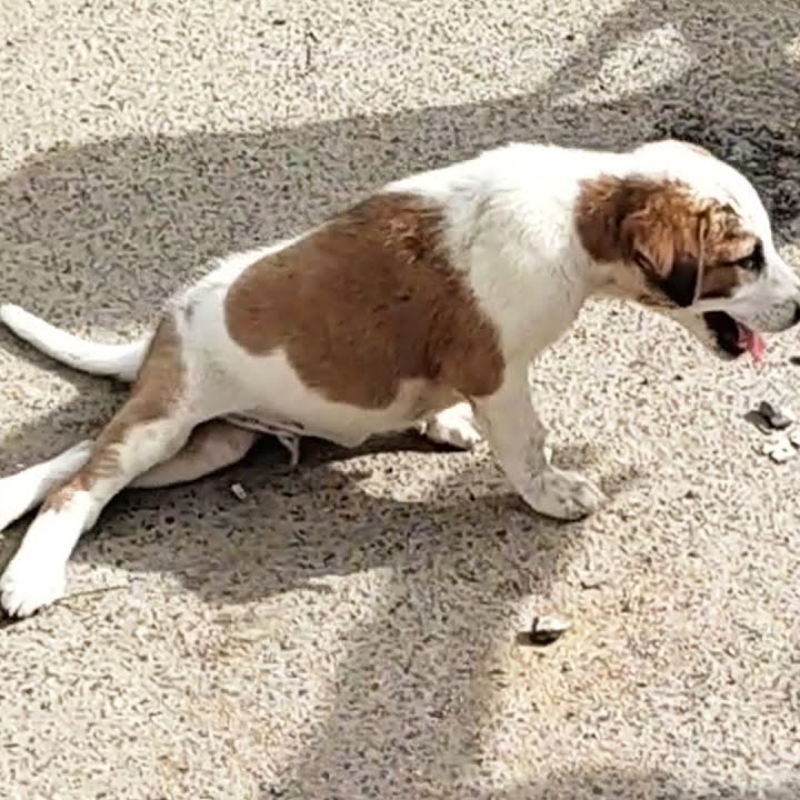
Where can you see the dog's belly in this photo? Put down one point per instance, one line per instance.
(311, 415)
(347, 426)
(272, 398)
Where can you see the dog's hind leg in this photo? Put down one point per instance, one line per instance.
(454, 426)
(164, 407)
(211, 447)
(23, 491)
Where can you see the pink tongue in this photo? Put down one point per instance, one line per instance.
(752, 342)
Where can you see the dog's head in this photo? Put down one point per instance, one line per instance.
(681, 232)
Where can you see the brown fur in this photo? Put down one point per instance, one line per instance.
(159, 383)
(672, 242)
(366, 302)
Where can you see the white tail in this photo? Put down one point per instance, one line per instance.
(120, 361)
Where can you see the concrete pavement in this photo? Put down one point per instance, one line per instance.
(349, 630)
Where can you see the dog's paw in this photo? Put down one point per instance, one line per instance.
(455, 426)
(563, 495)
(29, 584)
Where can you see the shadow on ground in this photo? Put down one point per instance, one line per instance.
(133, 215)
(577, 786)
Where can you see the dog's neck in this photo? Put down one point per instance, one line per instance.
(549, 316)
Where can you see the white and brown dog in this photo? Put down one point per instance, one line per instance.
(422, 306)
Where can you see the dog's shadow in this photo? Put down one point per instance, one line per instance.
(92, 237)
(262, 527)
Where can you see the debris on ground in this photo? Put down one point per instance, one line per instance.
(768, 418)
(238, 491)
(593, 580)
(776, 423)
(780, 448)
(292, 444)
(758, 421)
(545, 630)
(779, 419)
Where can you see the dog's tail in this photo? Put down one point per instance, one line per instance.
(121, 361)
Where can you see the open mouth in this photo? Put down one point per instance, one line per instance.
(734, 337)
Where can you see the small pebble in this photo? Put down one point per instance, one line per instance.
(794, 437)
(545, 630)
(238, 491)
(758, 421)
(782, 454)
(593, 580)
(779, 449)
(779, 419)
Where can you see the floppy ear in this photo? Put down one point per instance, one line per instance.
(681, 285)
(655, 225)
(658, 247)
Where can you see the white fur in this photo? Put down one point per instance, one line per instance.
(455, 426)
(510, 230)
(115, 360)
(22, 492)
(36, 574)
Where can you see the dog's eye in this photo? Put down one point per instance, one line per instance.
(753, 262)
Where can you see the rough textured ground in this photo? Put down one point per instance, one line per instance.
(349, 631)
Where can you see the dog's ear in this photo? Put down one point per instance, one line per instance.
(665, 239)
(654, 225)
(682, 285)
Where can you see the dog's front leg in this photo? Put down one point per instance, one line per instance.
(518, 439)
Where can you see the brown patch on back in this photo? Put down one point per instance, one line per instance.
(673, 238)
(159, 384)
(366, 302)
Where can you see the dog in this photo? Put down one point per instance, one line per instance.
(421, 306)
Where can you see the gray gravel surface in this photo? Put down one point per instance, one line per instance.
(350, 629)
